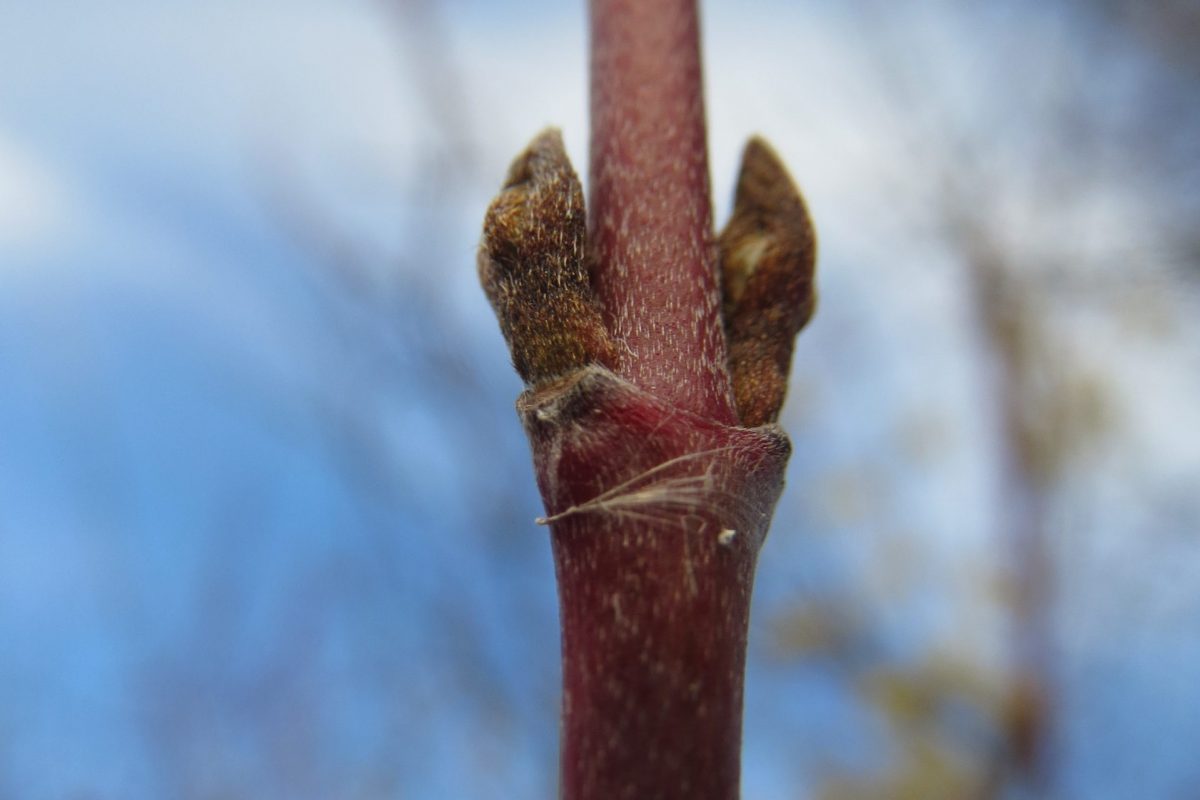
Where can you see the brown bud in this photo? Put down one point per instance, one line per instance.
(768, 255)
(533, 266)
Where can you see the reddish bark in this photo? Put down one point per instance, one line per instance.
(657, 500)
(658, 515)
(649, 206)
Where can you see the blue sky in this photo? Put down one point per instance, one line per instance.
(265, 509)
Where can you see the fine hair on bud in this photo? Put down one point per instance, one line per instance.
(768, 258)
(534, 270)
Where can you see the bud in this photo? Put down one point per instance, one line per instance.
(533, 266)
(768, 256)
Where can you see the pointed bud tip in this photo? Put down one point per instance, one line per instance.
(532, 265)
(768, 255)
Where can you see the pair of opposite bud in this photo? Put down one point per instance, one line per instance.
(533, 264)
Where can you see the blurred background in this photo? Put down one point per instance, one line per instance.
(266, 511)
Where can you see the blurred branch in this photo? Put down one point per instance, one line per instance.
(1062, 108)
(428, 52)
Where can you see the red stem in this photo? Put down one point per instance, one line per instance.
(650, 213)
(661, 514)
(658, 502)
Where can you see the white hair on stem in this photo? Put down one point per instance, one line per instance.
(661, 499)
